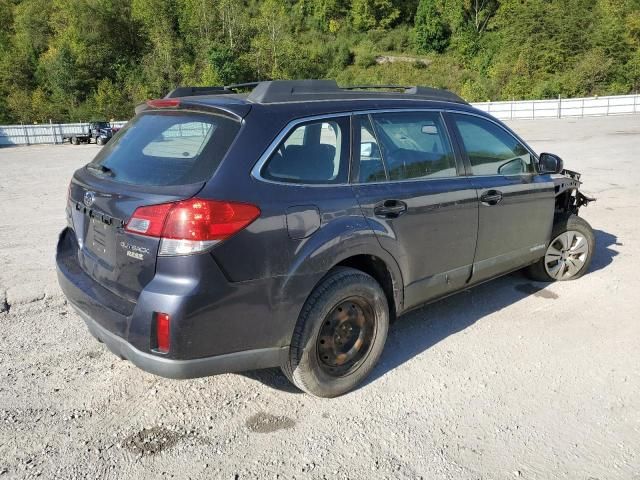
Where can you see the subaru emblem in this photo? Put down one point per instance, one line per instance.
(89, 198)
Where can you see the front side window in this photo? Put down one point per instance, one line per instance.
(414, 145)
(313, 153)
(491, 149)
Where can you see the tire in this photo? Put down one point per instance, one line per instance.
(347, 311)
(99, 141)
(74, 141)
(567, 256)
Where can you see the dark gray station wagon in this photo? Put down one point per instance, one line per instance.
(221, 232)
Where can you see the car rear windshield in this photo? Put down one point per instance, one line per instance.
(166, 148)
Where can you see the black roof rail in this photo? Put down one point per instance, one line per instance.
(236, 86)
(213, 90)
(282, 91)
(375, 87)
(422, 92)
(192, 91)
(435, 94)
(277, 91)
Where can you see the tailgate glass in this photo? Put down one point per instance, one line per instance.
(166, 148)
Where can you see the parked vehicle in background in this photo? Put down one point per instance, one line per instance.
(222, 232)
(99, 132)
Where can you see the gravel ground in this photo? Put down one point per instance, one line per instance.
(511, 379)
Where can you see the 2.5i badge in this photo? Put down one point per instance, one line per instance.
(134, 251)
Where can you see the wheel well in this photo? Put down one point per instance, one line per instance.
(375, 267)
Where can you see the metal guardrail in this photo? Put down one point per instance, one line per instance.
(51, 133)
(563, 107)
(521, 109)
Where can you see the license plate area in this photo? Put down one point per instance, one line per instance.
(101, 242)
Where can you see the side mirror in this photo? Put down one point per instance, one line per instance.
(366, 149)
(550, 163)
(513, 167)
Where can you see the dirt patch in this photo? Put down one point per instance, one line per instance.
(481, 385)
(382, 59)
(150, 441)
(267, 423)
(94, 354)
(531, 289)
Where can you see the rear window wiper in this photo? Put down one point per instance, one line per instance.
(102, 169)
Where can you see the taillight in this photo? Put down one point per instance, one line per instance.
(163, 340)
(149, 220)
(191, 226)
(164, 103)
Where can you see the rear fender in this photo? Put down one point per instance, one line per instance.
(332, 244)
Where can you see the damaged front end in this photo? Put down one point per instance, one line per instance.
(569, 198)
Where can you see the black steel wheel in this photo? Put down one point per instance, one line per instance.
(340, 334)
(345, 336)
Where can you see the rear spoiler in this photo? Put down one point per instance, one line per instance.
(237, 112)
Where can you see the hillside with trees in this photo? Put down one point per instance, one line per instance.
(69, 60)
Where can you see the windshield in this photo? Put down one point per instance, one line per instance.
(166, 148)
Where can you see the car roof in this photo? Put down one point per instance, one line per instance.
(316, 97)
(292, 99)
(289, 91)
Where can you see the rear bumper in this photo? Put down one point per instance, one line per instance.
(214, 329)
(199, 367)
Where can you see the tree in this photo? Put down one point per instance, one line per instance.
(432, 34)
(272, 46)
(80, 59)
(164, 45)
(234, 22)
(479, 12)
(373, 14)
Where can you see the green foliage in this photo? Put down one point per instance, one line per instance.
(67, 60)
(372, 14)
(432, 33)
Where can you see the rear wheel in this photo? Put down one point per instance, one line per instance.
(74, 141)
(340, 334)
(569, 253)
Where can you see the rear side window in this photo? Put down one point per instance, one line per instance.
(491, 149)
(312, 153)
(414, 145)
(168, 148)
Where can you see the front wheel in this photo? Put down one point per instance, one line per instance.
(569, 253)
(340, 334)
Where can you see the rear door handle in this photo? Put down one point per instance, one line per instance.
(390, 209)
(492, 197)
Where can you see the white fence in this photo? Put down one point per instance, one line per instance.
(44, 133)
(524, 109)
(563, 107)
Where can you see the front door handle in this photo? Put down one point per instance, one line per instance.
(492, 197)
(390, 209)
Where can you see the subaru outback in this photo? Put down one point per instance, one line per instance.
(223, 232)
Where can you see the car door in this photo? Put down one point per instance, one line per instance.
(407, 178)
(516, 205)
